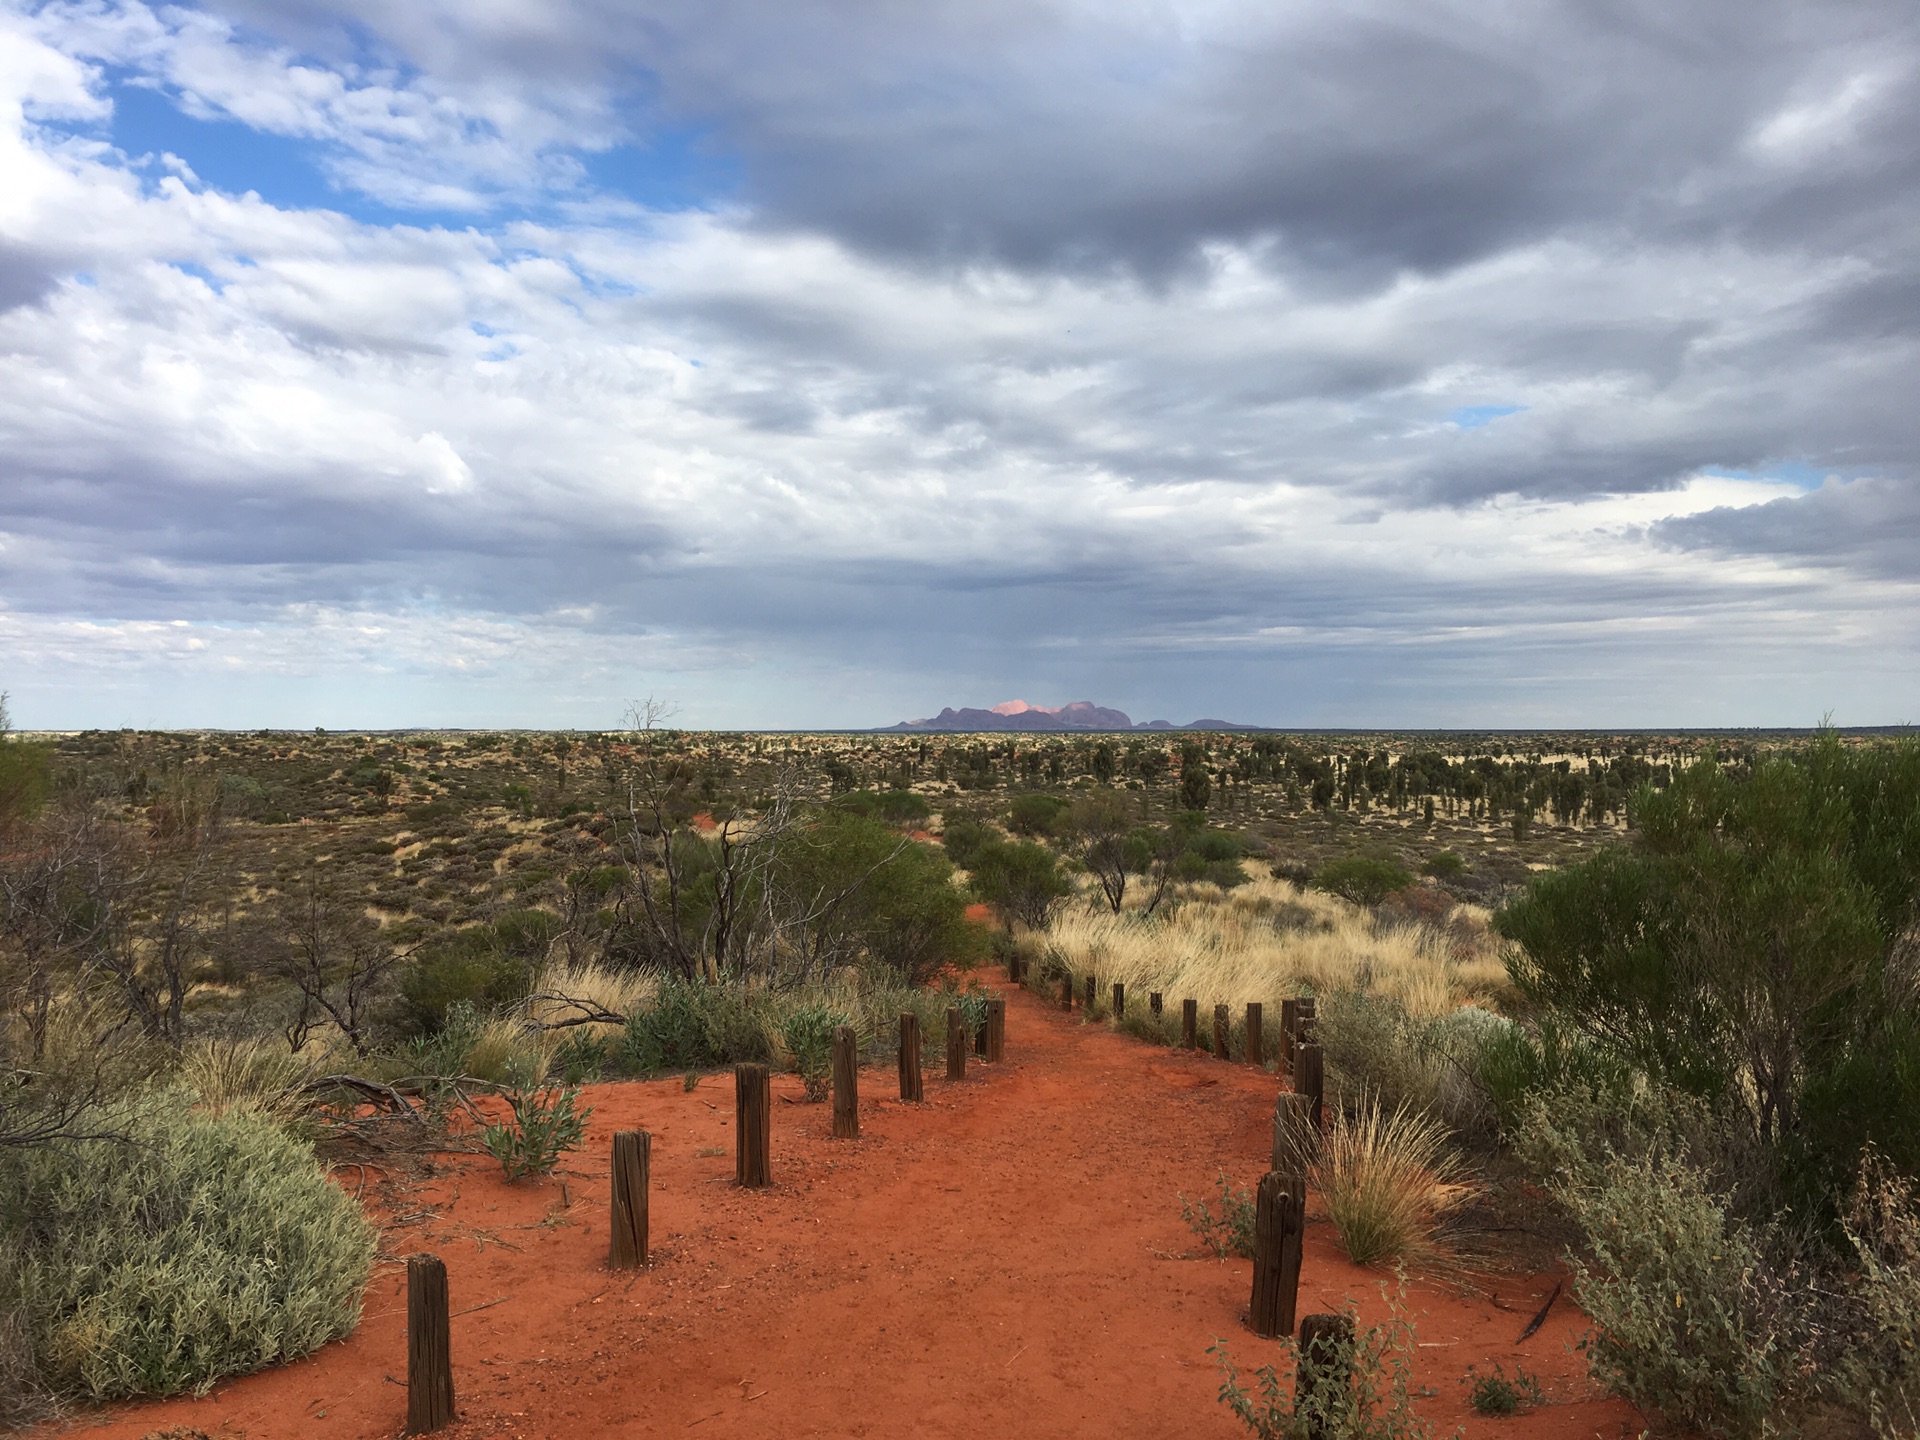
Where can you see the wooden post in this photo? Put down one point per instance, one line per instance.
(1088, 1002)
(632, 1167)
(1154, 1002)
(1066, 992)
(1119, 1001)
(752, 1124)
(1326, 1371)
(1278, 1215)
(996, 1030)
(910, 1083)
(1289, 1013)
(429, 1346)
(1222, 1028)
(1309, 1078)
(1190, 1024)
(1295, 1141)
(956, 1045)
(1256, 1042)
(1014, 968)
(980, 1038)
(846, 1083)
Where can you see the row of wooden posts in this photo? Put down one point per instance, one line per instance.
(429, 1352)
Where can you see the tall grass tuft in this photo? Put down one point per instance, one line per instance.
(1387, 1178)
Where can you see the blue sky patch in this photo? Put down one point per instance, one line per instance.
(1473, 417)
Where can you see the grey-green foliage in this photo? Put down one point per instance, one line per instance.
(544, 1122)
(203, 1247)
(1373, 1047)
(1231, 1231)
(807, 1034)
(1375, 1404)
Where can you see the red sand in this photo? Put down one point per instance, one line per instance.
(1004, 1259)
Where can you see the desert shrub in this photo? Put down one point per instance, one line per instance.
(1230, 1232)
(1444, 865)
(1375, 1404)
(1141, 1023)
(896, 807)
(1497, 1393)
(1022, 881)
(1038, 816)
(807, 1035)
(1691, 1318)
(1877, 1372)
(582, 1055)
(692, 1025)
(963, 839)
(1387, 1178)
(469, 967)
(1746, 946)
(1361, 879)
(210, 1245)
(1375, 1049)
(543, 1123)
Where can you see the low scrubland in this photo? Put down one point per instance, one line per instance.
(1687, 1037)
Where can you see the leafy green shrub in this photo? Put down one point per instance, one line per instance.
(544, 1122)
(1375, 1404)
(1021, 880)
(1374, 1048)
(963, 839)
(1444, 865)
(896, 807)
(581, 1056)
(1231, 1231)
(807, 1034)
(692, 1025)
(1496, 1394)
(1143, 1024)
(209, 1245)
(1038, 816)
(1361, 879)
(471, 967)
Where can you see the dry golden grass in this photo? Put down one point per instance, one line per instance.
(616, 992)
(252, 1075)
(1267, 940)
(1387, 1178)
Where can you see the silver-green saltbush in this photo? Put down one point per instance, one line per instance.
(199, 1247)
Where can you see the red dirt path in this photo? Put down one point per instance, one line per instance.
(1004, 1259)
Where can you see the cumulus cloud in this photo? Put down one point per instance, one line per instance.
(1388, 365)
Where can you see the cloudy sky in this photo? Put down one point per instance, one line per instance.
(495, 362)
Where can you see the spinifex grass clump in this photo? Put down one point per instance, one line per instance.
(200, 1246)
(1387, 1178)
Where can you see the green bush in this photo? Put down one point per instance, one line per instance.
(692, 1025)
(1022, 881)
(807, 1034)
(1373, 1048)
(1361, 879)
(963, 839)
(1038, 816)
(1231, 1231)
(544, 1122)
(1444, 865)
(204, 1246)
(471, 967)
(896, 807)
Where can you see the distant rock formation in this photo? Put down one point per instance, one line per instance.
(1018, 715)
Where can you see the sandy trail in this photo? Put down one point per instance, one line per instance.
(1007, 1258)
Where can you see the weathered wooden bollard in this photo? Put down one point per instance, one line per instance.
(1190, 1024)
(980, 1036)
(1154, 1002)
(996, 1030)
(1066, 992)
(1015, 968)
(1119, 1001)
(752, 1124)
(846, 1083)
(1256, 1042)
(1088, 1001)
(632, 1170)
(1222, 1029)
(1289, 1015)
(1279, 1211)
(956, 1045)
(911, 1087)
(1325, 1372)
(1309, 1079)
(1296, 1143)
(429, 1346)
